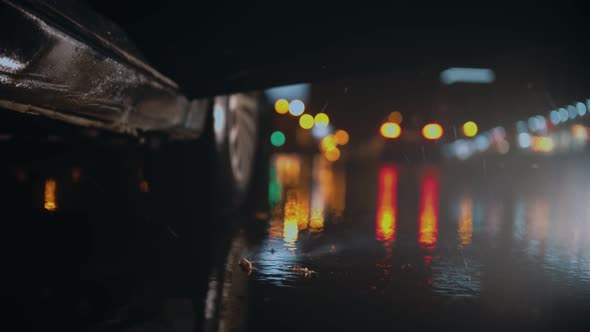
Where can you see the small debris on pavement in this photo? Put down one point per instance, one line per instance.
(245, 265)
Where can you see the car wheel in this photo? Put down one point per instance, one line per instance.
(235, 123)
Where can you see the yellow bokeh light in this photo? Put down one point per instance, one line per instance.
(332, 154)
(282, 106)
(306, 121)
(469, 129)
(321, 119)
(342, 137)
(390, 130)
(328, 142)
(432, 131)
(395, 117)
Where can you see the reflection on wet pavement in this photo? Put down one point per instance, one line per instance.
(432, 243)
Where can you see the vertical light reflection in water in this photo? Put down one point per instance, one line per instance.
(428, 223)
(275, 188)
(322, 192)
(386, 224)
(465, 229)
(537, 226)
(387, 204)
(50, 196)
(292, 214)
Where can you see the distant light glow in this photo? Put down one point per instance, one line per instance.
(395, 117)
(563, 113)
(390, 130)
(289, 92)
(306, 121)
(579, 132)
(144, 186)
(543, 144)
(541, 123)
(503, 147)
(524, 140)
(467, 75)
(296, 107)
(432, 131)
(581, 109)
(277, 138)
(319, 132)
(50, 201)
(342, 137)
(462, 149)
(321, 119)
(482, 143)
(533, 124)
(470, 129)
(521, 126)
(282, 106)
(554, 117)
(218, 118)
(572, 111)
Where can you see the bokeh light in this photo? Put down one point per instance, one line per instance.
(282, 106)
(296, 107)
(390, 130)
(395, 117)
(543, 144)
(328, 142)
(469, 129)
(432, 131)
(306, 121)
(524, 140)
(563, 114)
(277, 138)
(342, 137)
(581, 109)
(332, 154)
(554, 117)
(321, 120)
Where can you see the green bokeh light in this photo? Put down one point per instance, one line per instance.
(277, 138)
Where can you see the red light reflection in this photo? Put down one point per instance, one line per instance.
(387, 204)
(428, 229)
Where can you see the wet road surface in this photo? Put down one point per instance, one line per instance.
(369, 246)
(350, 245)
